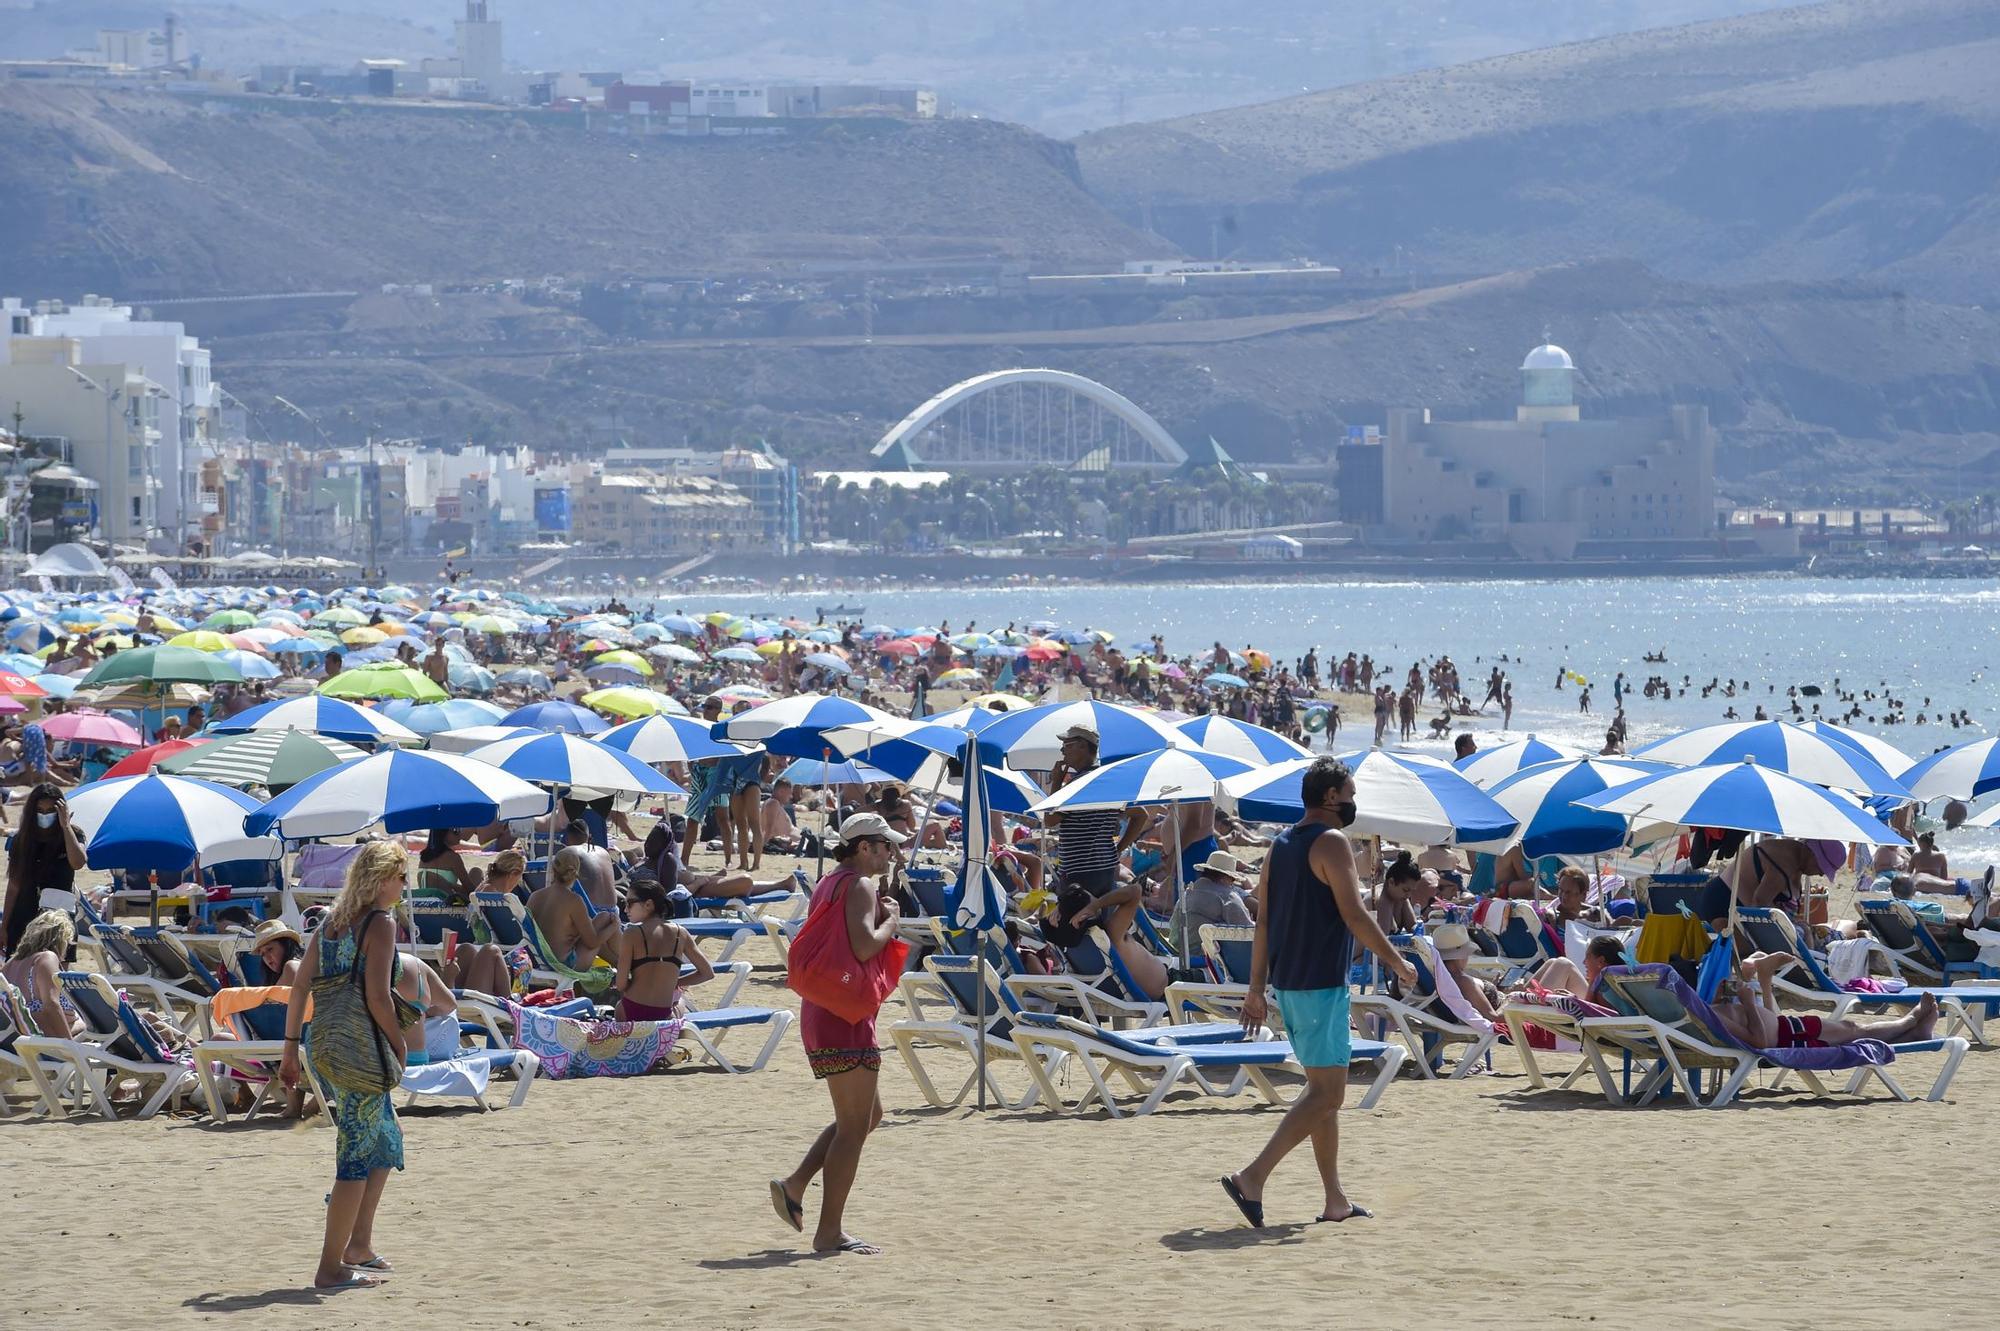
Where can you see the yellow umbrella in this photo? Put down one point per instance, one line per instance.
(164, 624)
(771, 648)
(202, 640)
(393, 628)
(599, 645)
(719, 617)
(1001, 702)
(630, 660)
(961, 675)
(122, 618)
(631, 703)
(122, 641)
(363, 635)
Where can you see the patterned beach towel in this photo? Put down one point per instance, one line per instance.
(571, 1048)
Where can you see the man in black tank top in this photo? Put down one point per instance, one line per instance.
(1309, 916)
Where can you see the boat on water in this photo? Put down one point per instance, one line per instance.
(840, 612)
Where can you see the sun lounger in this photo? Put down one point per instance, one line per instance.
(1423, 1023)
(1152, 1063)
(128, 965)
(944, 1007)
(253, 1055)
(14, 1074)
(119, 1043)
(1963, 1007)
(1916, 950)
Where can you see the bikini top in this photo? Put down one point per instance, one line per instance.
(674, 956)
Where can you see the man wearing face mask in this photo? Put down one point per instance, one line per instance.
(1309, 914)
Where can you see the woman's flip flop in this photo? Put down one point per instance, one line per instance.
(791, 1212)
(1354, 1212)
(377, 1264)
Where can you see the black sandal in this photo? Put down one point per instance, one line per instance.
(1354, 1212)
(1253, 1211)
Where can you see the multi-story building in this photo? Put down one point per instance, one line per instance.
(109, 412)
(643, 513)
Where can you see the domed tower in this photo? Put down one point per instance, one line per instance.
(1548, 385)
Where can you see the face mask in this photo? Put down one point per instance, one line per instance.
(1345, 812)
(45, 820)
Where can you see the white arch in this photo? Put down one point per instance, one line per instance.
(1115, 402)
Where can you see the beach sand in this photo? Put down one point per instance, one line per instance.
(642, 1203)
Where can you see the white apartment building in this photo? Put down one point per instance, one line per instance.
(108, 412)
(174, 369)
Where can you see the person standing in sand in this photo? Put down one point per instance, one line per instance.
(845, 1054)
(1309, 913)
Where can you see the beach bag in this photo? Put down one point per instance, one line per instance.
(823, 970)
(348, 1050)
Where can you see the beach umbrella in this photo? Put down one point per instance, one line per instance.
(1001, 702)
(1961, 772)
(1489, 767)
(557, 714)
(1778, 746)
(228, 621)
(682, 624)
(428, 718)
(1164, 776)
(795, 727)
(977, 899)
(297, 647)
(164, 823)
(1746, 797)
(249, 664)
(739, 656)
(569, 761)
(141, 761)
(1397, 795)
(339, 617)
(631, 702)
(527, 679)
(468, 678)
(1223, 679)
(1239, 739)
(820, 772)
(668, 739)
(729, 694)
(134, 696)
(161, 665)
(201, 640)
(1029, 740)
(673, 651)
(383, 681)
(363, 635)
(20, 663)
(13, 685)
(468, 738)
(93, 728)
(828, 661)
(403, 790)
(319, 715)
(961, 675)
(1892, 759)
(273, 758)
(1542, 800)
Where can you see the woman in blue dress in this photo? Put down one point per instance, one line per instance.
(358, 931)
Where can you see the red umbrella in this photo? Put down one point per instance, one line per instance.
(899, 647)
(20, 686)
(141, 761)
(93, 728)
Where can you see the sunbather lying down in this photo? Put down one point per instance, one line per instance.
(1753, 1015)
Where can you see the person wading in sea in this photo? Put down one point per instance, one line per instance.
(1309, 913)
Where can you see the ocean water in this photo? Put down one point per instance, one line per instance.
(1915, 639)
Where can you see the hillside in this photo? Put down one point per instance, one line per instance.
(152, 196)
(1814, 389)
(1854, 138)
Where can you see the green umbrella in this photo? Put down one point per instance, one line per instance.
(228, 621)
(340, 616)
(385, 679)
(274, 758)
(162, 665)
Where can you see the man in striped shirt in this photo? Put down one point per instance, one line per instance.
(1089, 842)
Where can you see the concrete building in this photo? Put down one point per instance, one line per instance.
(174, 372)
(642, 513)
(478, 41)
(1548, 479)
(110, 415)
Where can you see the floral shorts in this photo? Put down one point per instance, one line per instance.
(834, 1045)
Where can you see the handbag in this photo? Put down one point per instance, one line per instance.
(349, 1051)
(822, 969)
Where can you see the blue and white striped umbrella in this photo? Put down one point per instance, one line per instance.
(249, 664)
(1164, 776)
(1030, 741)
(1489, 767)
(978, 898)
(570, 761)
(403, 790)
(1961, 772)
(835, 772)
(1779, 746)
(165, 823)
(319, 715)
(1239, 739)
(667, 739)
(557, 714)
(1542, 799)
(428, 718)
(1893, 760)
(796, 727)
(1402, 796)
(1746, 797)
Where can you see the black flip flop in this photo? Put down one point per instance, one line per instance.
(793, 1213)
(1252, 1211)
(1354, 1213)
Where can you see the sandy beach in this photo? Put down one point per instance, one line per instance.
(642, 1203)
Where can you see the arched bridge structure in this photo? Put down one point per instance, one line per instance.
(1012, 419)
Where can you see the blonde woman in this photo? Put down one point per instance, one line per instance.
(357, 932)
